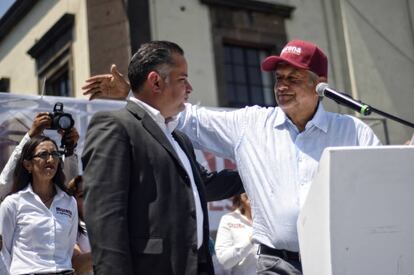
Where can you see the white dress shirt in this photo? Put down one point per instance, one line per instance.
(276, 162)
(37, 239)
(234, 249)
(167, 129)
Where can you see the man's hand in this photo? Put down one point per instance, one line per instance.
(107, 86)
(41, 122)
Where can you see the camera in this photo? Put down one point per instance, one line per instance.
(60, 119)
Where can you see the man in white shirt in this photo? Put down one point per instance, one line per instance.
(277, 150)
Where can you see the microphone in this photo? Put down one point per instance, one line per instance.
(343, 99)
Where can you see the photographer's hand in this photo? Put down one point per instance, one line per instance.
(107, 86)
(40, 122)
(70, 139)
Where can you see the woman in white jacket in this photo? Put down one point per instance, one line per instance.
(234, 247)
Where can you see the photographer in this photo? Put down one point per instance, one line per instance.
(41, 122)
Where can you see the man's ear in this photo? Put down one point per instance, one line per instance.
(322, 79)
(154, 81)
(28, 165)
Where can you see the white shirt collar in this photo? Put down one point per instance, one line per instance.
(320, 119)
(156, 115)
(29, 189)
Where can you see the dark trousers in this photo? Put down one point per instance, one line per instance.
(277, 262)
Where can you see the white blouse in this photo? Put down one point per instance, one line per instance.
(233, 247)
(37, 239)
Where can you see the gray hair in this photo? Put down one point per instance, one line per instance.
(312, 80)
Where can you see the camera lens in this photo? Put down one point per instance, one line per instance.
(65, 122)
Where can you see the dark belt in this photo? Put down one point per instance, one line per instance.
(284, 254)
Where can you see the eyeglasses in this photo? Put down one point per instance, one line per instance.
(45, 155)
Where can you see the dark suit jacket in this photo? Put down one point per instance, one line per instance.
(139, 208)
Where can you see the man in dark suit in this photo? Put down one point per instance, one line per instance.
(145, 204)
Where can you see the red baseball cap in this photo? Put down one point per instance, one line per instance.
(300, 54)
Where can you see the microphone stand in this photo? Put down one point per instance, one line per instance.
(384, 114)
(364, 109)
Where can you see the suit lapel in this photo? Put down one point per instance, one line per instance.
(151, 126)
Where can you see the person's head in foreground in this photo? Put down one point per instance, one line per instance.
(158, 75)
(300, 66)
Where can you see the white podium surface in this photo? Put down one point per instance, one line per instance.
(358, 218)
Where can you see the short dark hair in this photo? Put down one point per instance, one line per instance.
(150, 57)
(22, 177)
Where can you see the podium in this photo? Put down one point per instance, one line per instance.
(358, 217)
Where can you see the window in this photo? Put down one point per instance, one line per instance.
(5, 84)
(53, 54)
(58, 84)
(246, 84)
(55, 78)
(243, 34)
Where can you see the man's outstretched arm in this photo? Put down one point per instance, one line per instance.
(221, 185)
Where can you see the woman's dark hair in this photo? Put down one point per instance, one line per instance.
(22, 177)
(75, 185)
(237, 204)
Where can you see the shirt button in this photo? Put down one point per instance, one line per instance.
(193, 214)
